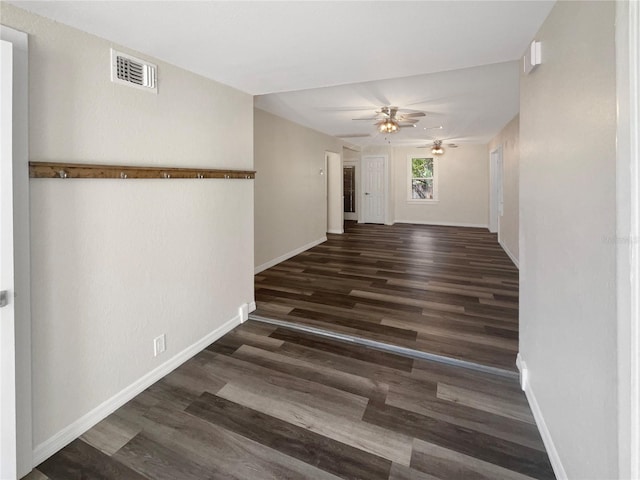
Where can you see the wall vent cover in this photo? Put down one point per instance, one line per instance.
(134, 72)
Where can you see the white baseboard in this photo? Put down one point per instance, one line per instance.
(252, 307)
(288, 255)
(511, 255)
(65, 436)
(338, 232)
(444, 224)
(554, 457)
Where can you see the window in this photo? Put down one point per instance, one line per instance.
(423, 180)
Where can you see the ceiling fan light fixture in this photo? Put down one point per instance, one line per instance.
(388, 126)
(437, 148)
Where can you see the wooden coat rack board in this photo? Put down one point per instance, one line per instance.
(79, 170)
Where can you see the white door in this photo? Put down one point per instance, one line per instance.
(8, 428)
(373, 189)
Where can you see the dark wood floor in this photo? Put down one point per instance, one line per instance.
(269, 403)
(445, 290)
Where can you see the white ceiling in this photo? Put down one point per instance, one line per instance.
(267, 47)
(470, 104)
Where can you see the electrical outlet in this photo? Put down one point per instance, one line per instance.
(159, 345)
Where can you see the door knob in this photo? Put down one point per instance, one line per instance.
(4, 298)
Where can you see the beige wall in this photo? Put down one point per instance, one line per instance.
(335, 185)
(116, 263)
(290, 193)
(567, 236)
(509, 227)
(463, 181)
(463, 186)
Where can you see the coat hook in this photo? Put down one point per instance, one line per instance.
(227, 176)
(166, 175)
(123, 175)
(200, 175)
(63, 174)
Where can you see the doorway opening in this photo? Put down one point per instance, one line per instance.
(350, 193)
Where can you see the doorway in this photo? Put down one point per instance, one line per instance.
(374, 189)
(349, 175)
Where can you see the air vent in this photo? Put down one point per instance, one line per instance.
(132, 71)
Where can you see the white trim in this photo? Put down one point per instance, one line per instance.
(552, 452)
(627, 239)
(22, 262)
(444, 224)
(288, 255)
(422, 202)
(337, 232)
(509, 254)
(252, 307)
(58, 441)
(524, 373)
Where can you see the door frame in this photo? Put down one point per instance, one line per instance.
(496, 180)
(628, 235)
(385, 183)
(8, 415)
(22, 265)
(335, 195)
(356, 188)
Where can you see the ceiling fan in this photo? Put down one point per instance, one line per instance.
(436, 147)
(391, 119)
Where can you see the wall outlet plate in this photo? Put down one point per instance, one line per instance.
(159, 345)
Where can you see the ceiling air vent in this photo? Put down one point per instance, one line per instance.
(132, 71)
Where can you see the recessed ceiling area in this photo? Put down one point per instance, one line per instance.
(323, 63)
(471, 105)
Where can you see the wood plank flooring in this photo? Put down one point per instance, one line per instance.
(269, 403)
(449, 291)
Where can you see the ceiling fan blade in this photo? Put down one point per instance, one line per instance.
(346, 109)
(367, 118)
(414, 114)
(354, 135)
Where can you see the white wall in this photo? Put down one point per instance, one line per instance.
(567, 237)
(290, 192)
(116, 263)
(509, 221)
(335, 199)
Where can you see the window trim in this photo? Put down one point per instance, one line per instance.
(409, 184)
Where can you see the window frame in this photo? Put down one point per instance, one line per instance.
(422, 201)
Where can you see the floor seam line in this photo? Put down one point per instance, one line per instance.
(387, 347)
